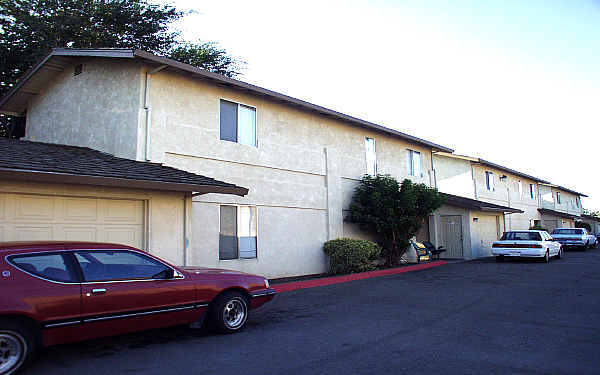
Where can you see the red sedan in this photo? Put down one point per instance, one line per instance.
(58, 292)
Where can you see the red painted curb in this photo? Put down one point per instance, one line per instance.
(288, 287)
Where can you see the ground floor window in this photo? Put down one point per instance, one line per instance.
(238, 232)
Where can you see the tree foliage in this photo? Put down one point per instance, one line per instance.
(208, 56)
(595, 214)
(394, 211)
(582, 224)
(29, 29)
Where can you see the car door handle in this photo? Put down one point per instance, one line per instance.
(98, 291)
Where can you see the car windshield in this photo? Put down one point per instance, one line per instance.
(521, 236)
(567, 231)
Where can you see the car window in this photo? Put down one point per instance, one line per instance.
(48, 266)
(567, 231)
(521, 236)
(108, 265)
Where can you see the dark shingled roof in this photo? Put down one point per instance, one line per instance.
(36, 161)
(564, 215)
(458, 201)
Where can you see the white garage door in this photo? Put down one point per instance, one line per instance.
(39, 217)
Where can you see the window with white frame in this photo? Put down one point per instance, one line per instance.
(532, 191)
(489, 180)
(558, 197)
(371, 156)
(238, 232)
(414, 163)
(238, 123)
(578, 202)
(520, 187)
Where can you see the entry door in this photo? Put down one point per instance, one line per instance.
(452, 236)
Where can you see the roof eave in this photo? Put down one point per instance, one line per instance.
(564, 215)
(55, 177)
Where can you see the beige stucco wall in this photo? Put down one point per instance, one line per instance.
(568, 200)
(480, 230)
(164, 222)
(485, 229)
(301, 176)
(99, 108)
(466, 178)
(506, 193)
(454, 176)
(436, 233)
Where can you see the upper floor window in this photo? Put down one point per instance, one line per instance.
(578, 202)
(558, 197)
(238, 123)
(520, 187)
(414, 163)
(489, 180)
(532, 191)
(238, 232)
(371, 156)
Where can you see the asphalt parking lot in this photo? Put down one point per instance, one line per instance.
(479, 317)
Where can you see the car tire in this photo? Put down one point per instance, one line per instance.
(546, 258)
(499, 258)
(229, 312)
(17, 345)
(560, 254)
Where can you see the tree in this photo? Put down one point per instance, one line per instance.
(595, 214)
(394, 211)
(207, 56)
(582, 224)
(29, 29)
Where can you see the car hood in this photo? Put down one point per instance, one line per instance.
(212, 271)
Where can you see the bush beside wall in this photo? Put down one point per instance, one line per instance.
(347, 255)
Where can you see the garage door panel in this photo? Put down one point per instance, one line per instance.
(81, 209)
(123, 235)
(33, 233)
(123, 212)
(89, 233)
(54, 218)
(34, 208)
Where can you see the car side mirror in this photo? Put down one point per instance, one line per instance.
(166, 274)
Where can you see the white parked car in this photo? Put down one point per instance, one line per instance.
(574, 237)
(527, 243)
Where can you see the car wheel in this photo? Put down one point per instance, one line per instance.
(560, 254)
(547, 257)
(229, 312)
(499, 258)
(17, 345)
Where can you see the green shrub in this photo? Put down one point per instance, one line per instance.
(581, 224)
(347, 255)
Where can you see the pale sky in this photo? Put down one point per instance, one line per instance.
(513, 82)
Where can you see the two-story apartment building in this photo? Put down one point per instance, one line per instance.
(536, 202)
(301, 162)
(559, 206)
